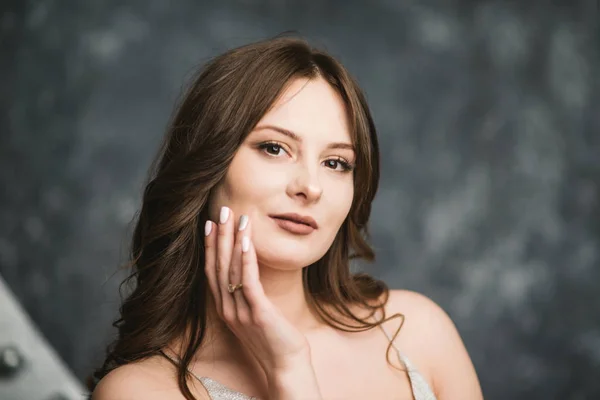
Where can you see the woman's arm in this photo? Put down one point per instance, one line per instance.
(441, 350)
(453, 372)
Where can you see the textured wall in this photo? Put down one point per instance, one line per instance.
(488, 116)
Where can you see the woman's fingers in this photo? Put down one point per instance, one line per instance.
(253, 290)
(235, 272)
(231, 259)
(210, 260)
(235, 269)
(225, 239)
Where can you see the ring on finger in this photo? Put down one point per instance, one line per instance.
(232, 288)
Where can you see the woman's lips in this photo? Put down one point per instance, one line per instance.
(293, 227)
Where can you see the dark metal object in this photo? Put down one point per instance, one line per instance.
(11, 361)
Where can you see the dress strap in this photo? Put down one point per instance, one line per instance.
(389, 338)
(420, 387)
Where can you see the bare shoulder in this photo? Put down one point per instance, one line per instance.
(148, 379)
(430, 337)
(419, 310)
(426, 327)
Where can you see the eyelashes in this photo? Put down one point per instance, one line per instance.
(274, 149)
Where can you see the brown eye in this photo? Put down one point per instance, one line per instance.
(272, 149)
(338, 164)
(332, 163)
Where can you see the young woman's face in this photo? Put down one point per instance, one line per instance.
(297, 160)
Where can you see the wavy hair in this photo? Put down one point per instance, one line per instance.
(224, 103)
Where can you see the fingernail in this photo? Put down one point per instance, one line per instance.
(243, 222)
(224, 215)
(245, 244)
(207, 228)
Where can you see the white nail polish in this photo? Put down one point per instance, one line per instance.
(243, 222)
(224, 215)
(245, 244)
(207, 228)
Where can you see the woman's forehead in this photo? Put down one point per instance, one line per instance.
(312, 109)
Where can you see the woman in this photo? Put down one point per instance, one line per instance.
(259, 199)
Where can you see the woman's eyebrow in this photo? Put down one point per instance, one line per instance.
(297, 138)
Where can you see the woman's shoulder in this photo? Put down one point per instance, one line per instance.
(150, 378)
(422, 329)
(426, 327)
(417, 307)
(430, 337)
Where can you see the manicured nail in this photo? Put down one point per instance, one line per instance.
(224, 215)
(207, 228)
(243, 222)
(245, 244)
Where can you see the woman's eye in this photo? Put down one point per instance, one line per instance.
(338, 165)
(332, 163)
(272, 148)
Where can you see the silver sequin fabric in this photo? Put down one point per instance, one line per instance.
(420, 387)
(217, 391)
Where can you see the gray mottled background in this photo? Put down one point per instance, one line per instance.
(489, 119)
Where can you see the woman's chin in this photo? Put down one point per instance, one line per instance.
(290, 260)
(289, 253)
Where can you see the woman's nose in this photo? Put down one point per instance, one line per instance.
(306, 186)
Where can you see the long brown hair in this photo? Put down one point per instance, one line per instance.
(222, 106)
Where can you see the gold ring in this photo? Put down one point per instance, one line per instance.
(232, 288)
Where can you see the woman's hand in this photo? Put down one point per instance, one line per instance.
(280, 349)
